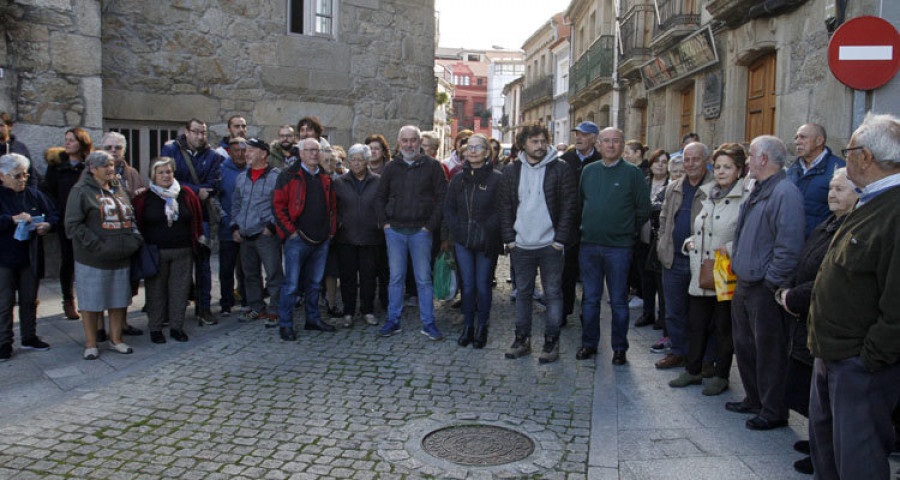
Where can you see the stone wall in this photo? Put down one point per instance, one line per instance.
(51, 56)
(169, 61)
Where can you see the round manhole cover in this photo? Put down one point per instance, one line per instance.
(478, 445)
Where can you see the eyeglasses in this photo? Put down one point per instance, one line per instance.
(845, 151)
(476, 147)
(117, 148)
(21, 176)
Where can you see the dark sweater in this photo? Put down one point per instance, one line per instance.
(155, 228)
(60, 179)
(855, 305)
(615, 204)
(313, 223)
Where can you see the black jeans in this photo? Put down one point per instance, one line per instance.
(708, 317)
(66, 267)
(570, 278)
(229, 267)
(383, 275)
(527, 262)
(358, 271)
(20, 280)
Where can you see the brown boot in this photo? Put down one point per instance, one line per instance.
(670, 361)
(70, 311)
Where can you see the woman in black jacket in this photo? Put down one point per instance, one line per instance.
(795, 300)
(472, 217)
(359, 238)
(63, 173)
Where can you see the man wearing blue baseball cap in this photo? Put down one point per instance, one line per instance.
(579, 157)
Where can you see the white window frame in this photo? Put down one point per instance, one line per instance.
(311, 14)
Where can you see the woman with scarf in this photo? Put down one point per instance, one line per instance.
(100, 221)
(170, 219)
(471, 214)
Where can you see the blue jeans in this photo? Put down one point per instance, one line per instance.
(526, 262)
(612, 264)
(418, 246)
(676, 281)
(476, 272)
(304, 266)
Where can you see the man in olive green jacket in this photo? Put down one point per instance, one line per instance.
(854, 317)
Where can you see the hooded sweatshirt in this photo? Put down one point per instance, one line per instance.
(534, 228)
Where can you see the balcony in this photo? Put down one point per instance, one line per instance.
(677, 18)
(537, 92)
(634, 29)
(732, 12)
(591, 75)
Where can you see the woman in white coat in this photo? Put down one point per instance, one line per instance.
(713, 231)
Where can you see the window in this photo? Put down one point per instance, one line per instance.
(313, 17)
(480, 81)
(145, 141)
(479, 108)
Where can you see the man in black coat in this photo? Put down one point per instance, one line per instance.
(579, 157)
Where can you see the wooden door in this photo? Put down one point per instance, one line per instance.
(761, 97)
(687, 112)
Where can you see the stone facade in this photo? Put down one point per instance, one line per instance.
(97, 64)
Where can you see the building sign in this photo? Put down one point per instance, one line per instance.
(696, 52)
(712, 95)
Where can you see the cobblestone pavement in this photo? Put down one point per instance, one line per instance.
(236, 402)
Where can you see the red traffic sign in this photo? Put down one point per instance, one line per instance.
(864, 53)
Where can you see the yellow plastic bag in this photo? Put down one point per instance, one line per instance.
(724, 277)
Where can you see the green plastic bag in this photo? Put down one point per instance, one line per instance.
(444, 280)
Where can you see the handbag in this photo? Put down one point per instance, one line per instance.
(145, 262)
(706, 280)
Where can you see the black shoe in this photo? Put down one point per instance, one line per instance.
(585, 352)
(157, 337)
(320, 326)
(131, 331)
(619, 357)
(802, 446)
(564, 322)
(287, 334)
(804, 466)
(740, 407)
(178, 335)
(467, 336)
(335, 312)
(35, 343)
(102, 336)
(481, 334)
(760, 423)
(645, 320)
(5, 352)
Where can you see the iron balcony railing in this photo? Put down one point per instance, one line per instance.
(595, 63)
(675, 13)
(633, 29)
(538, 91)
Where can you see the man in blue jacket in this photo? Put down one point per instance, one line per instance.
(199, 168)
(812, 171)
(229, 251)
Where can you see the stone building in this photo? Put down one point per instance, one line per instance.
(146, 66)
(559, 125)
(537, 97)
(591, 76)
(512, 109)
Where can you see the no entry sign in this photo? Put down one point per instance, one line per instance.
(864, 53)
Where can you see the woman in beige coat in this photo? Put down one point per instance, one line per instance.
(713, 231)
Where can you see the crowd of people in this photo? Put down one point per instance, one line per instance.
(805, 307)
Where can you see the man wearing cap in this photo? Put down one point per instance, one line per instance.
(229, 251)
(579, 157)
(305, 210)
(253, 227)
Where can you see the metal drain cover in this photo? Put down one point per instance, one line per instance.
(478, 445)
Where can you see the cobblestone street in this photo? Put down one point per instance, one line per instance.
(236, 402)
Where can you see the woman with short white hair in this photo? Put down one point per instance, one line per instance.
(26, 215)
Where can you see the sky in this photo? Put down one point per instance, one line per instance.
(483, 24)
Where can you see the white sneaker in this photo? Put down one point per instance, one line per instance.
(348, 321)
(636, 302)
(121, 347)
(371, 320)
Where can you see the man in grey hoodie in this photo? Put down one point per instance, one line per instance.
(537, 221)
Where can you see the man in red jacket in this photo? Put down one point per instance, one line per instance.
(306, 219)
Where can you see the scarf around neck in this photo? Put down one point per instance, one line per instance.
(170, 196)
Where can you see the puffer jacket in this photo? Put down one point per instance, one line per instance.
(357, 223)
(101, 224)
(665, 248)
(814, 186)
(251, 208)
(471, 211)
(713, 228)
(411, 196)
(61, 177)
(560, 193)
